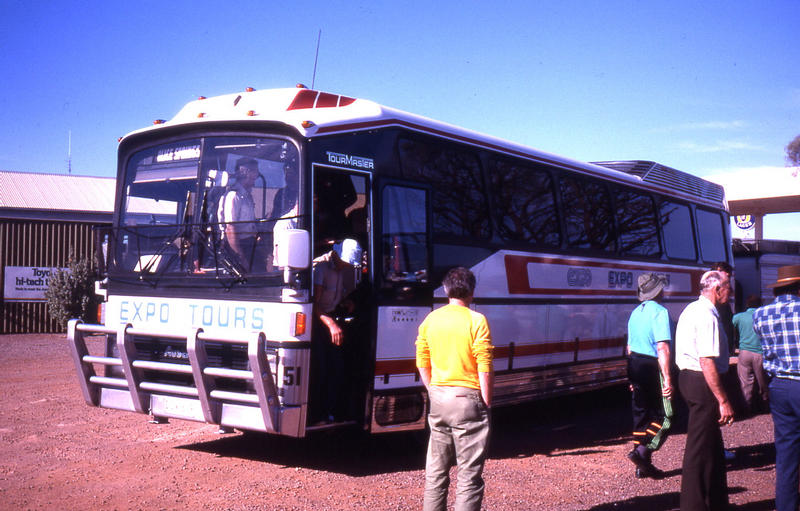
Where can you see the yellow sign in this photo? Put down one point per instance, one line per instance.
(745, 222)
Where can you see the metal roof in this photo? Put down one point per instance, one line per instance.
(765, 205)
(32, 191)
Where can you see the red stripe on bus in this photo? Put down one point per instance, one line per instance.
(408, 366)
(401, 366)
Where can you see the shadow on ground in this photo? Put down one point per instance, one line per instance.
(753, 457)
(581, 424)
(671, 502)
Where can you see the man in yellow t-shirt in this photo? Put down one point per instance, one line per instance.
(454, 358)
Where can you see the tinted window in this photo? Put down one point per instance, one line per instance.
(459, 199)
(676, 223)
(404, 241)
(711, 233)
(637, 226)
(524, 204)
(587, 214)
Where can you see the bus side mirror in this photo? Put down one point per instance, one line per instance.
(292, 249)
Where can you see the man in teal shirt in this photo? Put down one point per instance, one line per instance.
(649, 339)
(750, 366)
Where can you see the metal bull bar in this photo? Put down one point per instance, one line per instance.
(202, 402)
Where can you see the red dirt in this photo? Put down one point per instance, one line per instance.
(565, 454)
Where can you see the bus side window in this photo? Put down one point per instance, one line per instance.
(460, 204)
(587, 213)
(637, 224)
(404, 243)
(711, 234)
(676, 224)
(524, 204)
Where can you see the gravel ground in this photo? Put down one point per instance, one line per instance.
(564, 454)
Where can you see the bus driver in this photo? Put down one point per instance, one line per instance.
(237, 212)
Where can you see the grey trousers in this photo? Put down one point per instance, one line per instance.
(459, 423)
(751, 372)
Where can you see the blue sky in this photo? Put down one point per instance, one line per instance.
(711, 88)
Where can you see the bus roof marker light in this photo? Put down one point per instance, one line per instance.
(251, 113)
(301, 86)
(200, 98)
(159, 121)
(307, 124)
(201, 115)
(249, 89)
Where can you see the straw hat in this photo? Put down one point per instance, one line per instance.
(650, 284)
(787, 275)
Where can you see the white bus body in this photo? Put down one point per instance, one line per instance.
(197, 332)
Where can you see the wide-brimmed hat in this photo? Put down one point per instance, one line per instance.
(787, 275)
(650, 284)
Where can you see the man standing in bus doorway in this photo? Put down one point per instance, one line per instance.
(778, 324)
(701, 352)
(335, 278)
(649, 339)
(237, 212)
(454, 358)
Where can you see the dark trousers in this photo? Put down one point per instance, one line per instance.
(327, 375)
(784, 397)
(651, 411)
(704, 484)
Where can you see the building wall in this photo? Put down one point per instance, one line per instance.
(38, 243)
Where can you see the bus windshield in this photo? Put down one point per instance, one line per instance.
(206, 205)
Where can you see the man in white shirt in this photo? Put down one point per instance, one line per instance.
(237, 213)
(702, 356)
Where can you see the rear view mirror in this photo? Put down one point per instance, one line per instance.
(292, 249)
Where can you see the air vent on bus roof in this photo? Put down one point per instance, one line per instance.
(673, 179)
(308, 98)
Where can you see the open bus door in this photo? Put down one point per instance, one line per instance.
(340, 374)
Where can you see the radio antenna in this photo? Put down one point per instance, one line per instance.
(69, 153)
(316, 55)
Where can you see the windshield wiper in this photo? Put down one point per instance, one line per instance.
(212, 240)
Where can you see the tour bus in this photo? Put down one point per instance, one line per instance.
(194, 330)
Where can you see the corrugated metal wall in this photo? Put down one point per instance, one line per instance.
(38, 243)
